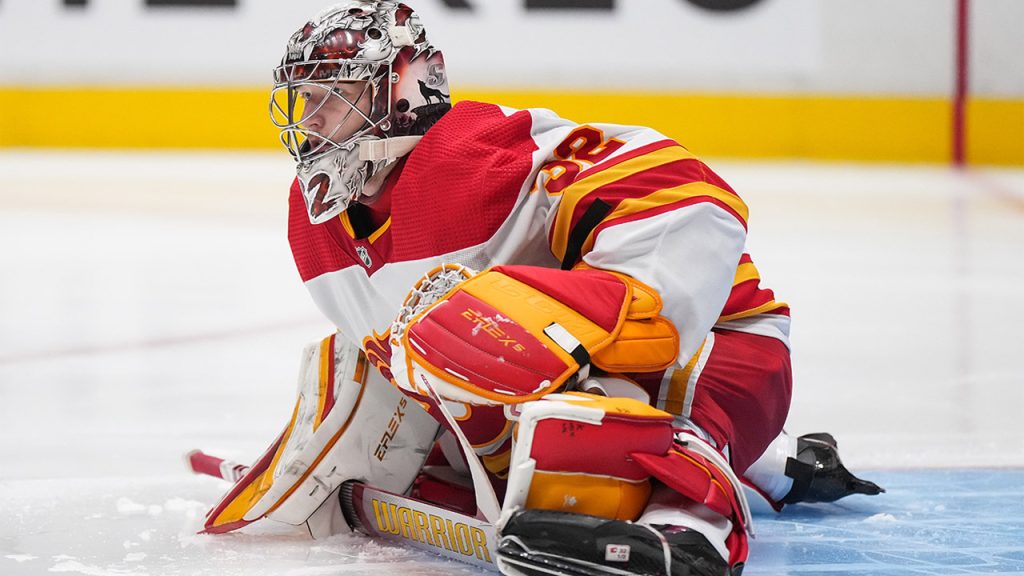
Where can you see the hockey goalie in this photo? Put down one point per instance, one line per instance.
(548, 326)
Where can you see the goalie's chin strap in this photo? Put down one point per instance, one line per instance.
(391, 149)
(388, 149)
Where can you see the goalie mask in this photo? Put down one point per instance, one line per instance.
(357, 87)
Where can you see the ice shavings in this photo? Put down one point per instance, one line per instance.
(382, 551)
(880, 518)
(89, 570)
(20, 557)
(183, 505)
(128, 507)
(188, 539)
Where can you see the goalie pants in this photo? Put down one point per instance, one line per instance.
(742, 393)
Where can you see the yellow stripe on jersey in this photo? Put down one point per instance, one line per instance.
(346, 224)
(379, 231)
(578, 190)
(666, 196)
(763, 308)
(745, 271)
(678, 383)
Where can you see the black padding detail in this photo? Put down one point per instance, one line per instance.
(581, 356)
(544, 542)
(802, 473)
(593, 216)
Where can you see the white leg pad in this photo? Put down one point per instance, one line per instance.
(349, 423)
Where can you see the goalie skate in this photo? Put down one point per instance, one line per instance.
(819, 475)
(546, 542)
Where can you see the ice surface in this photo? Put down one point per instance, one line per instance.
(148, 306)
(118, 526)
(928, 522)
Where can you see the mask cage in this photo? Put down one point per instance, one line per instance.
(288, 110)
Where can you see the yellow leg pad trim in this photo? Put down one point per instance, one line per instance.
(360, 368)
(252, 493)
(584, 494)
(245, 500)
(326, 353)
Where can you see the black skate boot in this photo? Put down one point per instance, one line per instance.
(819, 475)
(546, 542)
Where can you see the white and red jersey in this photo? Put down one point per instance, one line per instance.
(489, 185)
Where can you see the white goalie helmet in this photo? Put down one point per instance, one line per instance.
(357, 87)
